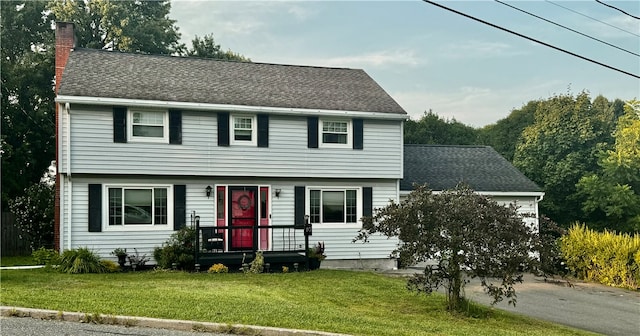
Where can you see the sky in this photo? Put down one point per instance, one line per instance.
(428, 58)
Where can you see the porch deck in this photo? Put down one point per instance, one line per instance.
(214, 245)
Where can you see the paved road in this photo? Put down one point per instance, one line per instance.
(593, 307)
(24, 326)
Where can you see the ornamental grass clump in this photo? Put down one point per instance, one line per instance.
(80, 260)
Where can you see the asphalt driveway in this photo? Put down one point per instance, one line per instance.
(593, 307)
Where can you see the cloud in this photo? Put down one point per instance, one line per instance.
(478, 49)
(382, 58)
(475, 106)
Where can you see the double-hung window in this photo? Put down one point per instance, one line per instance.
(335, 133)
(148, 126)
(335, 205)
(139, 206)
(243, 130)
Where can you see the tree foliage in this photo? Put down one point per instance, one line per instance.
(561, 146)
(28, 116)
(432, 129)
(613, 194)
(505, 134)
(206, 47)
(465, 233)
(34, 211)
(130, 26)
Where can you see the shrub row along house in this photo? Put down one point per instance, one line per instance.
(249, 152)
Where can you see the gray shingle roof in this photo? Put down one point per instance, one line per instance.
(443, 167)
(95, 73)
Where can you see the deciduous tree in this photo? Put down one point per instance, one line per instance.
(467, 235)
(613, 195)
(28, 126)
(432, 129)
(505, 134)
(130, 26)
(560, 147)
(206, 47)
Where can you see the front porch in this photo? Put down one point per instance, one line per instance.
(281, 245)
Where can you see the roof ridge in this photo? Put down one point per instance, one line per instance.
(213, 59)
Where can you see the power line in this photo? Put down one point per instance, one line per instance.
(565, 27)
(618, 9)
(592, 18)
(531, 39)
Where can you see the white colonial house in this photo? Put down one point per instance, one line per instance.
(147, 144)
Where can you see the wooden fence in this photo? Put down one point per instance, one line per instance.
(11, 244)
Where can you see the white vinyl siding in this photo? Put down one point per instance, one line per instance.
(94, 152)
(337, 238)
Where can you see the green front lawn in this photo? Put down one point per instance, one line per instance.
(359, 303)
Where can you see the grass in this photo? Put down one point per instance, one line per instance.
(359, 303)
(17, 261)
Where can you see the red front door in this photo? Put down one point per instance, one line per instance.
(243, 216)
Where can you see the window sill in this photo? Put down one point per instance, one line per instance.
(138, 228)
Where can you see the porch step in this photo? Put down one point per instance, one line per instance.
(235, 259)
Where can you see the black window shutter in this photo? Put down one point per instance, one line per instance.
(312, 132)
(179, 206)
(119, 124)
(357, 134)
(95, 208)
(175, 127)
(223, 128)
(263, 130)
(299, 196)
(367, 201)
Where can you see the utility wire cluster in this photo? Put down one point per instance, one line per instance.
(559, 25)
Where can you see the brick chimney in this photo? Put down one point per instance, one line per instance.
(65, 41)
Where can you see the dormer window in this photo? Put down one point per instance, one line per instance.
(148, 126)
(335, 133)
(243, 130)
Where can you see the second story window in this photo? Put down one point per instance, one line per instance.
(335, 133)
(148, 126)
(243, 130)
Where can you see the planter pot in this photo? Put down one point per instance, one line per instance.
(314, 263)
(122, 259)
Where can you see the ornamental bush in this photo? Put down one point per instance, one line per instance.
(179, 249)
(218, 268)
(605, 257)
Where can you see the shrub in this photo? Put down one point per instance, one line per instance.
(43, 256)
(81, 260)
(34, 215)
(110, 266)
(218, 268)
(606, 257)
(179, 249)
(257, 265)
